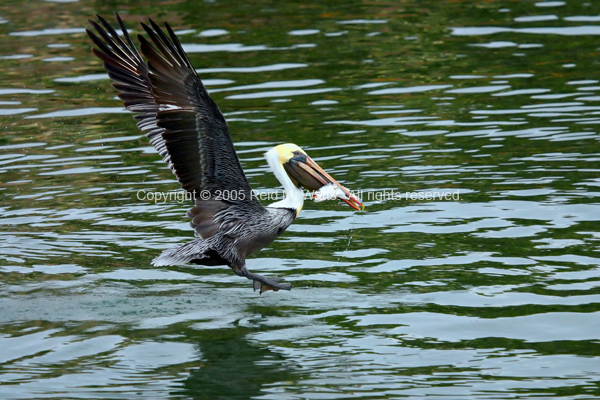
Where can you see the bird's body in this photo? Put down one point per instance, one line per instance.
(189, 131)
(232, 244)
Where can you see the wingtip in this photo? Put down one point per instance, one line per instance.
(143, 40)
(146, 27)
(118, 17)
(155, 27)
(101, 19)
(94, 24)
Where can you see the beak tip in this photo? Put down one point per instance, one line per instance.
(357, 205)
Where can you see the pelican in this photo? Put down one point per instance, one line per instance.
(189, 131)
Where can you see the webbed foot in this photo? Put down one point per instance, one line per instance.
(264, 284)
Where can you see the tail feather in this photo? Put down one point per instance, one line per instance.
(187, 253)
(195, 252)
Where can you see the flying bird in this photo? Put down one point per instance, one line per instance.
(189, 131)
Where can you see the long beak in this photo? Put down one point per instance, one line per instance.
(312, 177)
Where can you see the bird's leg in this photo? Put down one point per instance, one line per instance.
(263, 284)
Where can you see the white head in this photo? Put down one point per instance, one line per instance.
(296, 170)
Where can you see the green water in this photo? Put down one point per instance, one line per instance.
(492, 296)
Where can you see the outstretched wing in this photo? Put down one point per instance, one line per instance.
(181, 120)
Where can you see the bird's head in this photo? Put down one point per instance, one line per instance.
(306, 173)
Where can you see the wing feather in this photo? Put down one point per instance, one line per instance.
(179, 118)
